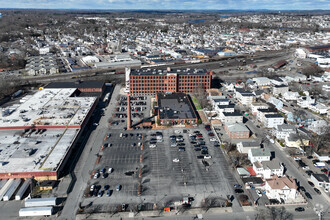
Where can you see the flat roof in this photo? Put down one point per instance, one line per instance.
(237, 127)
(175, 106)
(177, 71)
(232, 114)
(25, 152)
(76, 84)
(273, 116)
(48, 107)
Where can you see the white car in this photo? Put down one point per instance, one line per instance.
(92, 188)
(258, 192)
(213, 139)
(207, 157)
(110, 170)
(176, 160)
(152, 145)
(190, 135)
(297, 158)
(95, 124)
(96, 175)
(177, 132)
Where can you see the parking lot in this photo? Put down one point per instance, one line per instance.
(150, 170)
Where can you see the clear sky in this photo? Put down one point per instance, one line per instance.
(169, 4)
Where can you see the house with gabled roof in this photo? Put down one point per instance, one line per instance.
(281, 188)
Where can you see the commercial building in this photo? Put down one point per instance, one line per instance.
(152, 81)
(321, 180)
(96, 87)
(175, 109)
(38, 135)
(237, 131)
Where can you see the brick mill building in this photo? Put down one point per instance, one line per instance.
(152, 81)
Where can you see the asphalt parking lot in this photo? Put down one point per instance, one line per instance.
(149, 174)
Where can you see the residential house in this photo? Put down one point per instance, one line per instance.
(284, 130)
(291, 96)
(281, 89)
(255, 106)
(244, 147)
(321, 180)
(278, 104)
(261, 154)
(244, 97)
(237, 131)
(225, 108)
(296, 77)
(267, 169)
(294, 140)
(319, 108)
(278, 81)
(262, 82)
(319, 126)
(272, 120)
(282, 189)
(253, 181)
(262, 112)
(231, 117)
(305, 101)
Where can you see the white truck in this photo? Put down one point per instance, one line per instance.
(12, 189)
(40, 202)
(319, 164)
(36, 211)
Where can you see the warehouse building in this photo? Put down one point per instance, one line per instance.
(152, 81)
(37, 136)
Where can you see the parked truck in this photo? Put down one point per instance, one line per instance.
(19, 195)
(319, 164)
(5, 188)
(12, 189)
(36, 211)
(40, 202)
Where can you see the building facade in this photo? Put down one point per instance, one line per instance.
(152, 81)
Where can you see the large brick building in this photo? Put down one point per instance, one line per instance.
(152, 81)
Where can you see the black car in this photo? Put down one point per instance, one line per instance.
(197, 149)
(181, 144)
(182, 149)
(301, 188)
(193, 142)
(311, 183)
(310, 157)
(299, 209)
(317, 191)
(309, 172)
(239, 191)
(308, 195)
(200, 157)
(204, 152)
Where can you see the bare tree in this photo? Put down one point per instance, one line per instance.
(274, 214)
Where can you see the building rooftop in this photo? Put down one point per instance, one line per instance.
(175, 106)
(272, 165)
(232, 114)
(251, 144)
(76, 84)
(48, 107)
(226, 106)
(187, 71)
(31, 152)
(273, 116)
(237, 127)
(260, 152)
(282, 182)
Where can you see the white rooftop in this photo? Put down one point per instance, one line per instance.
(27, 152)
(48, 107)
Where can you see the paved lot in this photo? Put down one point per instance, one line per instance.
(163, 181)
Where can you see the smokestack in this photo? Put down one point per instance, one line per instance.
(129, 123)
(127, 74)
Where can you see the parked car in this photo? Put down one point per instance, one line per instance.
(106, 187)
(110, 170)
(207, 157)
(237, 186)
(108, 192)
(301, 188)
(118, 187)
(96, 175)
(317, 191)
(308, 195)
(311, 183)
(176, 160)
(239, 191)
(100, 193)
(258, 192)
(182, 149)
(152, 145)
(92, 188)
(299, 209)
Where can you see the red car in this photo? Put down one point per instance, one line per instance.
(211, 134)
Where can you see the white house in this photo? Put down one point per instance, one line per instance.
(262, 81)
(321, 180)
(255, 106)
(231, 117)
(305, 101)
(280, 89)
(262, 112)
(319, 108)
(244, 147)
(291, 96)
(261, 154)
(225, 108)
(284, 130)
(318, 126)
(273, 120)
(266, 169)
(281, 188)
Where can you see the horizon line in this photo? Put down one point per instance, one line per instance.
(96, 9)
